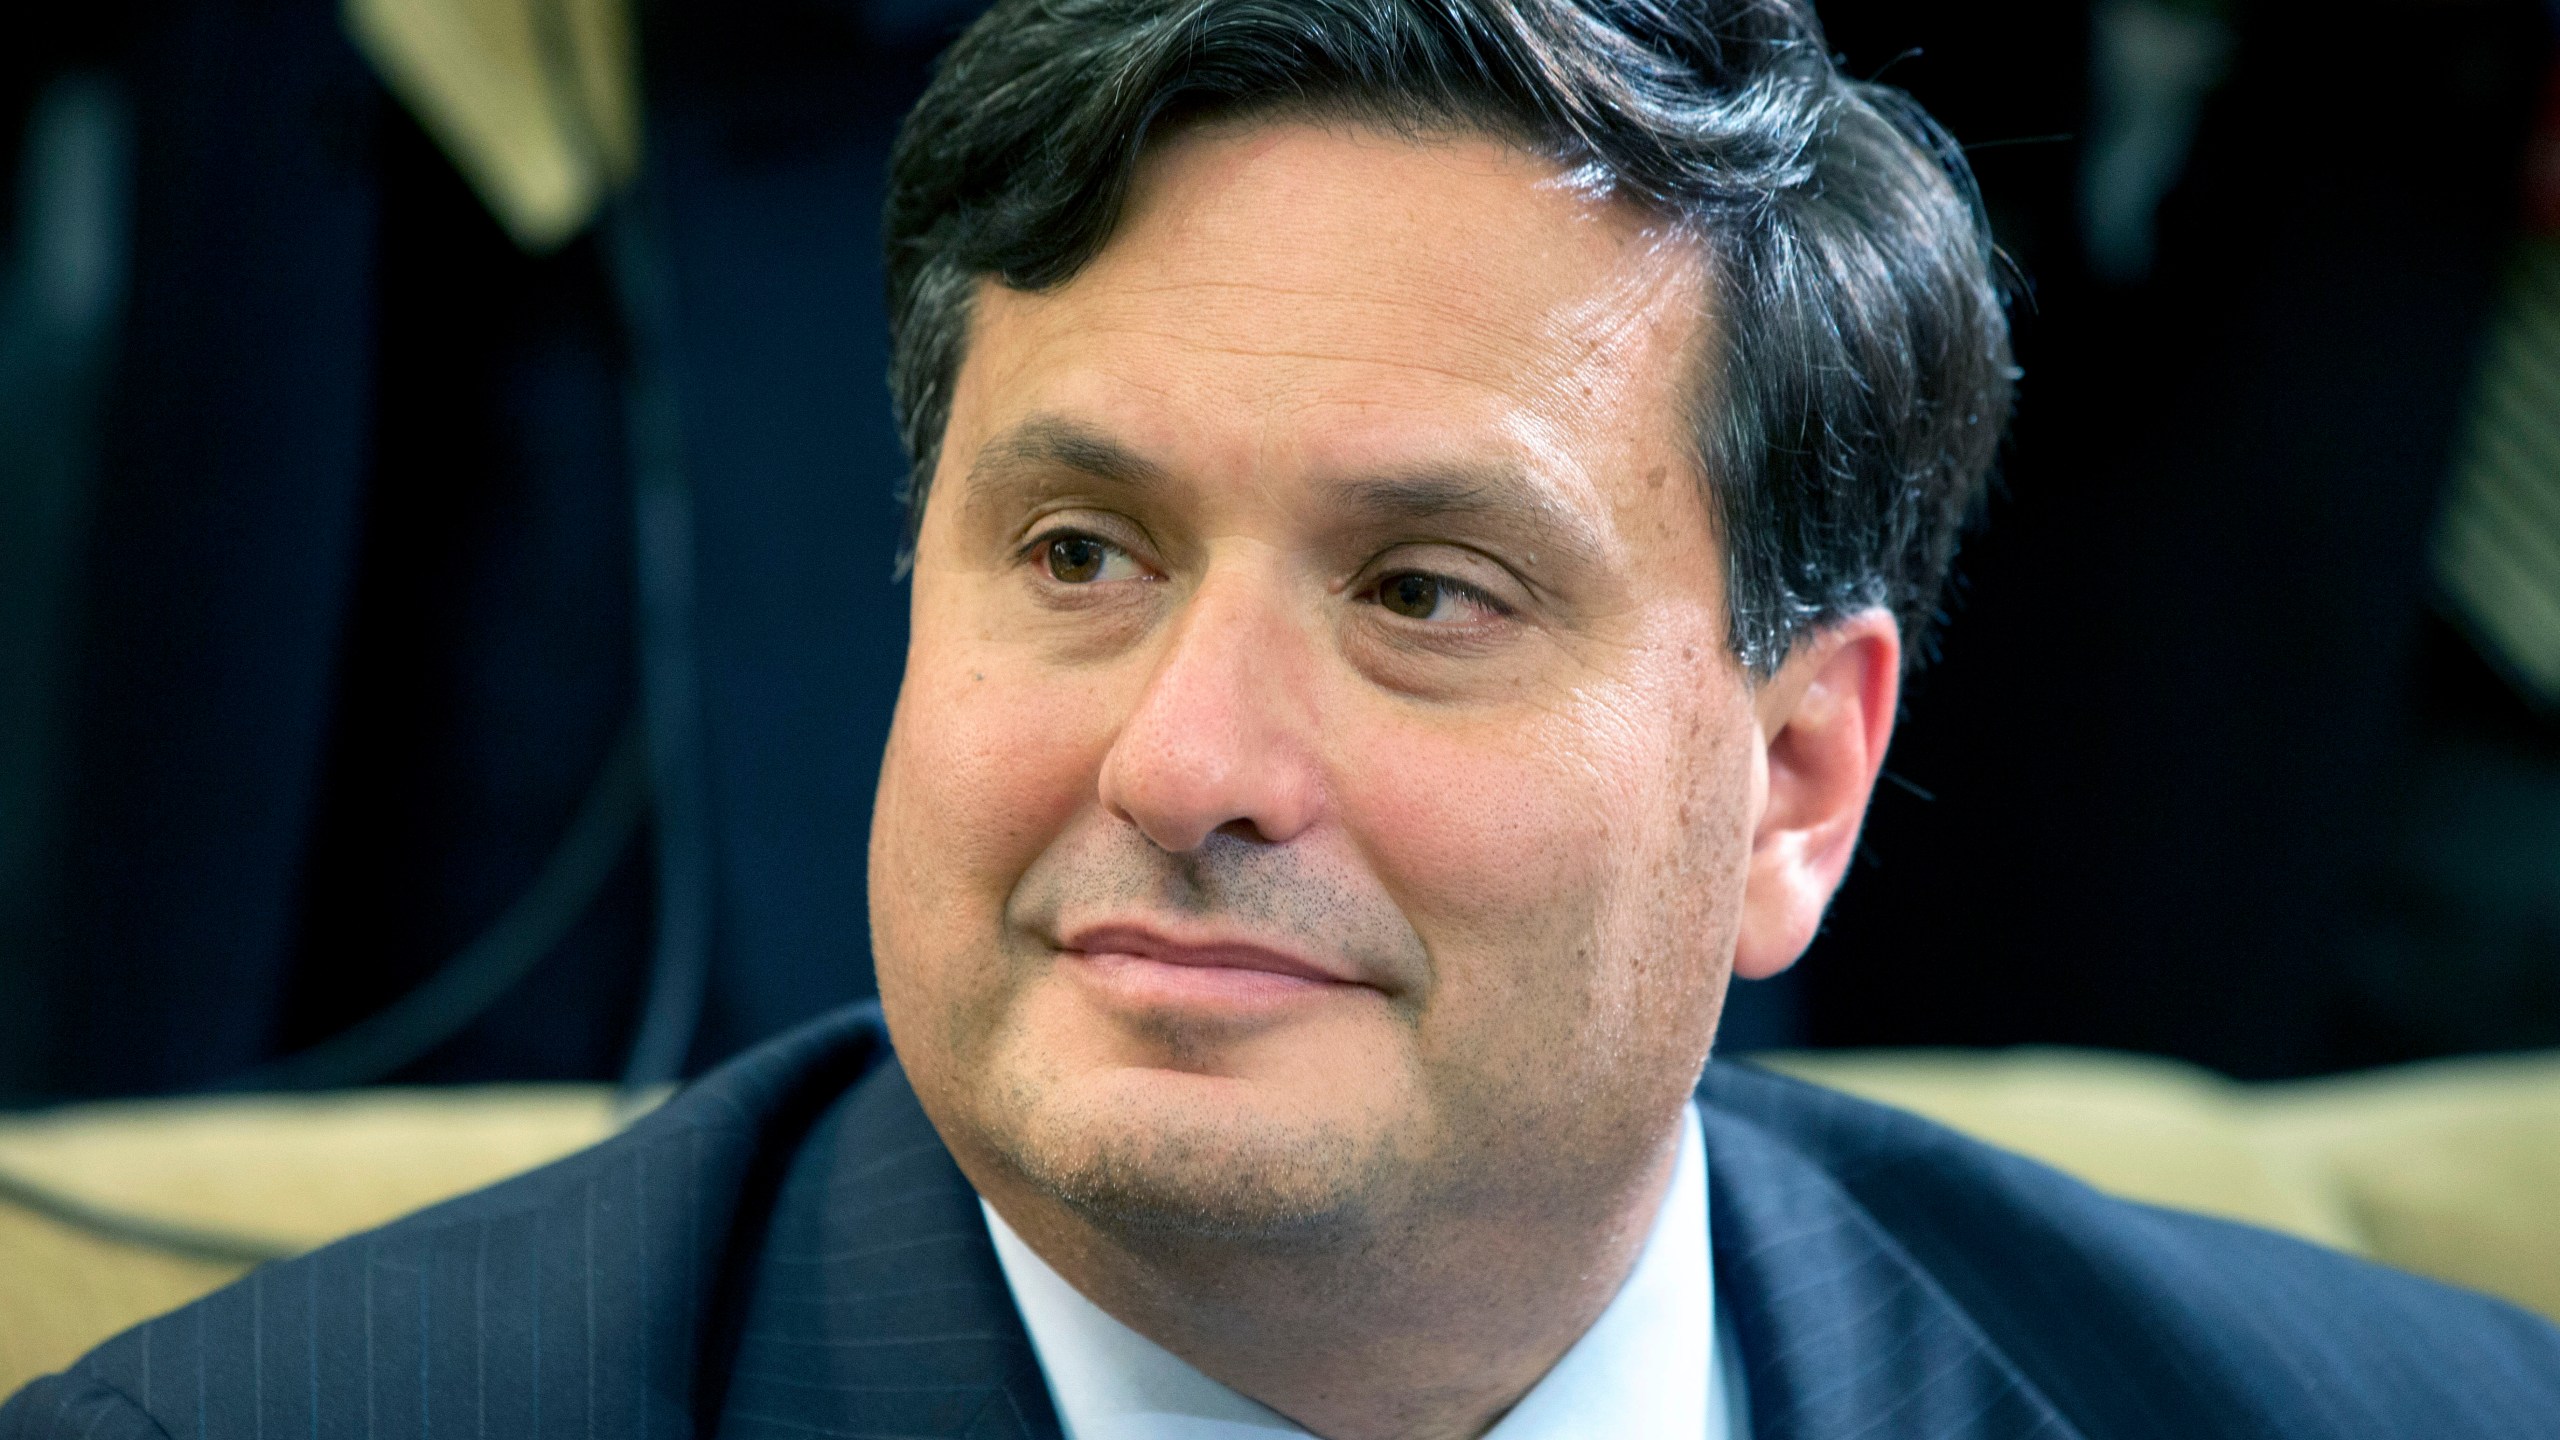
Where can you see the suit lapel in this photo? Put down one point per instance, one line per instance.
(878, 1307)
(1840, 1333)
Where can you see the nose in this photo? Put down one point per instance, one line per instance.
(1222, 737)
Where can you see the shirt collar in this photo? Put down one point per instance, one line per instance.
(1654, 1366)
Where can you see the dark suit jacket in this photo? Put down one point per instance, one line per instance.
(787, 1251)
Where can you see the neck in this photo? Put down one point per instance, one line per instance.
(1422, 1327)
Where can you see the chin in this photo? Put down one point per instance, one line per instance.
(1135, 1149)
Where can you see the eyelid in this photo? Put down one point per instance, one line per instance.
(1475, 591)
(1466, 590)
(1120, 534)
(1032, 555)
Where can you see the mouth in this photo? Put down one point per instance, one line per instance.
(1144, 968)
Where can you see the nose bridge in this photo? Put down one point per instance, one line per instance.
(1239, 630)
(1222, 731)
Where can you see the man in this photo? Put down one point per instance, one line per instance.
(1420, 512)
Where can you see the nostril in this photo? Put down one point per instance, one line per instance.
(1246, 830)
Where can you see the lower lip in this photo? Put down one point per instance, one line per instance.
(1140, 982)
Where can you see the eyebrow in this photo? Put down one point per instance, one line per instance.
(1497, 494)
(1052, 443)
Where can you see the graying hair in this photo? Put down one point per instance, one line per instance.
(1848, 422)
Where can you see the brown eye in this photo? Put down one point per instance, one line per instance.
(1414, 596)
(1076, 559)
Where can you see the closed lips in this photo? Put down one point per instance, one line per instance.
(1111, 942)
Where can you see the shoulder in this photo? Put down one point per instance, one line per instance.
(561, 1289)
(2111, 1308)
(79, 1405)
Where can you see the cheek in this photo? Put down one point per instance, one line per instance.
(1575, 870)
(983, 769)
(1496, 837)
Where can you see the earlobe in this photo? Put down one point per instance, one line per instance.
(1826, 718)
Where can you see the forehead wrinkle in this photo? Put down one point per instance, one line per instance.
(1377, 289)
(1461, 354)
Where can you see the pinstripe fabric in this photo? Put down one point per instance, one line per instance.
(879, 1308)
(561, 1305)
(1840, 1333)
(1889, 1277)
(786, 1251)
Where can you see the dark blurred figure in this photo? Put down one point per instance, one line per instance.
(2203, 771)
(64, 178)
(330, 577)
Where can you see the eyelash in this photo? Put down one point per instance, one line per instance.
(1034, 551)
(1473, 594)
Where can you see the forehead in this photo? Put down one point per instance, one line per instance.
(1295, 296)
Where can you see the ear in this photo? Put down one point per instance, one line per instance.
(1825, 720)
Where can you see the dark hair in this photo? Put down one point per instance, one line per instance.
(1863, 377)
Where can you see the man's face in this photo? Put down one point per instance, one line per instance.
(1321, 791)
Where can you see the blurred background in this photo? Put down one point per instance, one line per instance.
(448, 512)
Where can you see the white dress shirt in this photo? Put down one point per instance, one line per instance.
(1641, 1372)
